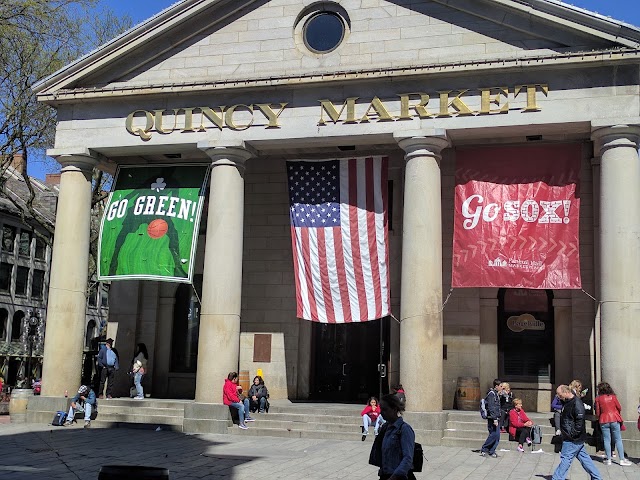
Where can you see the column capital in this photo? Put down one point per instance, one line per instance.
(419, 143)
(613, 136)
(76, 159)
(235, 154)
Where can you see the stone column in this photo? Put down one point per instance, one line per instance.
(219, 338)
(66, 307)
(620, 260)
(421, 294)
(563, 340)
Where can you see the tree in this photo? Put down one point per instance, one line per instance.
(30, 50)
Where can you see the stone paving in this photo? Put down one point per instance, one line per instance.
(44, 452)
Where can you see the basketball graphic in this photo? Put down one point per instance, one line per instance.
(157, 228)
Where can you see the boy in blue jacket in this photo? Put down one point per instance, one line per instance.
(84, 401)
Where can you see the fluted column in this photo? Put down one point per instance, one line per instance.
(219, 337)
(620, 260)
(421, 294)
(66, 307)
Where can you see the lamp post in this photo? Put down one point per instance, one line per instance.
(34, 319)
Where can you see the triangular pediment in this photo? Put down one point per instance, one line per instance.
(222, 41)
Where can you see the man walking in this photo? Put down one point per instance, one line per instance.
(108, 362)
(572, 428)
(492, 402)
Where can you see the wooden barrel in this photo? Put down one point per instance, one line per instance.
(18, 404)
(243, 381)
(468, 393)
(132, 472)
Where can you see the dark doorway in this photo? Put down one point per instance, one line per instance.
(525, 335)
(345, 361)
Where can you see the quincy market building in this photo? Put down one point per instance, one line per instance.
(247, 85)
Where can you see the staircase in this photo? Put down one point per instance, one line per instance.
(147, 413)
(468, 429)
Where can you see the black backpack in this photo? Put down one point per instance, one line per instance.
(58, 419)
(375, 457)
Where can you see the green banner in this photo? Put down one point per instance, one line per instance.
(150, 225)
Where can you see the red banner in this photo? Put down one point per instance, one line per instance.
(516, 217)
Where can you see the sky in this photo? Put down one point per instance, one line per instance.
(140, 10)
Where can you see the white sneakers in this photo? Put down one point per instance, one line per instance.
(607, 461)
(625, 463)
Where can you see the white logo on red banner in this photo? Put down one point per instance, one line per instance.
(516, 217)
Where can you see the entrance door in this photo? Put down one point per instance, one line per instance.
(346, 358)
(525, 335)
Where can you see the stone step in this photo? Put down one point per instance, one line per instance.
(140, 418)
(462, 416)
(295, 433)
(482, 427)
(142, 409)
(147, 402)
(132, 425)
(318, 424)
(355, 420)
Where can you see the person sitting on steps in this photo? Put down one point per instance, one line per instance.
(519, 425)
(231, 399)
(84, 401)
(257, 397)
(371, 414)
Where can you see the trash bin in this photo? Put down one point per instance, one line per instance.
(132, 472)
(468, 393)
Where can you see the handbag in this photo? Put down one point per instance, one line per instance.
(622, 427)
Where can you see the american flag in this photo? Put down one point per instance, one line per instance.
(339, 234)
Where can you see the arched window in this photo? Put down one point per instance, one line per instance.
(16, 325)
(4, 319)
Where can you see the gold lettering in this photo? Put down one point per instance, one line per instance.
(266, 110)
(532, 105)
(380, 112)
(143, 133)
(460, 107)
(327, 106)
(420, 108)
(486, 101)
(213, 117)
(158, 114)
(228, 118)
(188, 119)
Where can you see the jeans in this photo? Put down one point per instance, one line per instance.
(609, 430)
(570, 451)
(366, 421)
(556, 419)
(240, 407)
(261, 403)
(491, 443)
(106, 376)
(137, 380)
(86, 408)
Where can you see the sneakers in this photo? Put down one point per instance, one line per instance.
(625, 463)
(364, 434)
(87, 423)
(520, 448)
(558, 432)
(249, 419)
(528, 441)
(138, 398)
(613, 455)
(503, 430)
(109, 397)
(100, 396)
(243, 426)
(601, 454)
(483, 454)
(493, 455)
(67, 423)
(607, 461)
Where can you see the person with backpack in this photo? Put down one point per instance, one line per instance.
(83, 401)
(108, 362)
(492, 405)
(519, 425)
(398, 441)
(139, 369)
(574, 434)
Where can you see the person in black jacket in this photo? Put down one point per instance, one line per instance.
(574, 434)
(257, 397)
(493, 420)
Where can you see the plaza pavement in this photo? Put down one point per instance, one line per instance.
(43, 452)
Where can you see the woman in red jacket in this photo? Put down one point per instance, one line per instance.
(371, 414)
(230, 398)
(519, 424)
(608, 411)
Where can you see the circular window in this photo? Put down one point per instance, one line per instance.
(323, 32)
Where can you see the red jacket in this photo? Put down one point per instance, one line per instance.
(517, 419)
(608, 409)
(373, 414)
(230, 392)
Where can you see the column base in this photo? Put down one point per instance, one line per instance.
(206, 418)
(42, 409)
(428, 426)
